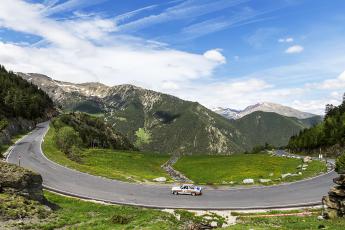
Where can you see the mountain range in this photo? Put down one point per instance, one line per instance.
(264, 107)
(158, 122)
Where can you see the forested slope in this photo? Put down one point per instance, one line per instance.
(22, 104)
(330, 134)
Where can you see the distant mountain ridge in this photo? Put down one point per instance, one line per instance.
(264, 107)
(158, 122)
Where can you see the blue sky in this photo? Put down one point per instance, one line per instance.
(229, 53)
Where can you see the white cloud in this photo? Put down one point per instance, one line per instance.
(315, 106)
(215, 55)
(235, 93)
(169, 85)
(285, 40)
(337, 83)
(294, 49)
(87, 49)
(183, 10)
(52, 7)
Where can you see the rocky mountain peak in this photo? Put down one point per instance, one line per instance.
(264, 107)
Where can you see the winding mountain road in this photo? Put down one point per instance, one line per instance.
(70, 182)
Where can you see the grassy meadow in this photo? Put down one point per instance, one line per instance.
(217, 170)
(286, 220)
(73, 213)
(113, 164)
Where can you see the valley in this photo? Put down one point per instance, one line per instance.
(174, 126)
(172, 115)
(77, 141)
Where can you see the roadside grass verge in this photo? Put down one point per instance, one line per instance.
(77, 214)
(298, 221)
(218, 170)
(113, 164)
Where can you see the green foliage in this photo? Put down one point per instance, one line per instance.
(121, 219)
(18, 98)
(3, 124)
(265, 127)
(77, 214)
(330, 132)
(200, 222)
(93, 131)
(264, 221)
(14, 207)
(174, 125)
(66, 138)
(340, 164)
(261, 148)
(113, 164)
(143, 137)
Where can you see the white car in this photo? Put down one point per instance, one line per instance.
(187, 189)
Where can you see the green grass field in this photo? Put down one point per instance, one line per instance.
(71, 213)
(224, 169)
(120, 165)
(76, 214)
(247, 221)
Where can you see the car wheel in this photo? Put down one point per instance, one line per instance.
(175, 193)
(193, 194)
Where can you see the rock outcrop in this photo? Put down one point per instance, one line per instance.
(335, 201)
(14, 127)
(20, 181)
(176, 175)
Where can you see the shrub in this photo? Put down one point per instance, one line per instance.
(143, 137)
(66, 138)
(340, 164)
(200, 222)
(3, 124)
(121, 219)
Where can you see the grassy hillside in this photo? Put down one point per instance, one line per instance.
(236, 168)
(330, 134)
(175, 126)
(154, 121)
(162, 123)
(266, 127)
(93, 131)
(113, 164)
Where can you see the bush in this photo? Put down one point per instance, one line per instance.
(121, 219)
(340, 164)
(3, 124)
(200, 222)
(75, 154)
(66, 138)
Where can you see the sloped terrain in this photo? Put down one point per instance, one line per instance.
(272, 128)
(156, 122)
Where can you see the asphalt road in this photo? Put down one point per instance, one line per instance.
(70, 182)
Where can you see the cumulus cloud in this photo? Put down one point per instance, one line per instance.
(332, 84)
(90, 49)
(294, 49)
(285, 40)
(215, 55)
